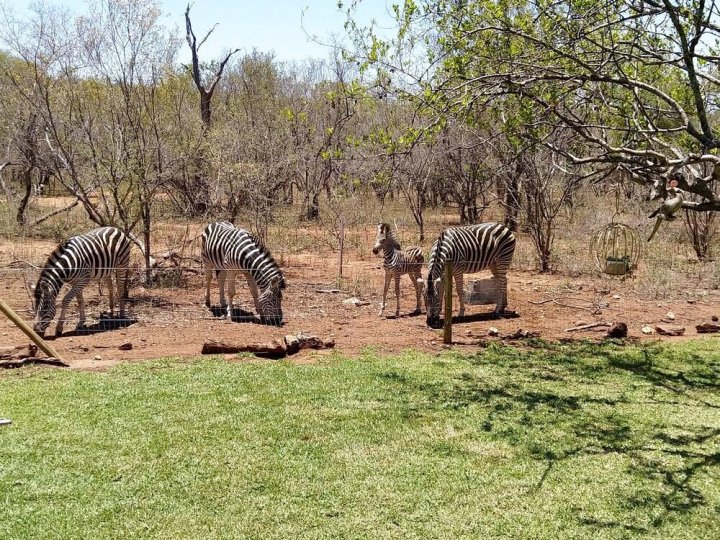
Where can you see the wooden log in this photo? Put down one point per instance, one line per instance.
(29, 332)
(708, 328)
(16, 363)
(447, 323)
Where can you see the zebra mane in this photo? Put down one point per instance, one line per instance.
(436, 262)
(390, 236)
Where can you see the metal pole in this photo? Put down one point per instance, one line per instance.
(447, 327)
(29, 332)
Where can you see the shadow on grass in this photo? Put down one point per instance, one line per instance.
(558, 402)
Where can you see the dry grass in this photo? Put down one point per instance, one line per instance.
(668, 266)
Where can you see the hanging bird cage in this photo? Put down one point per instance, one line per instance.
(616, 249)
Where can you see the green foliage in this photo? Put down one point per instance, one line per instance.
(543, 441)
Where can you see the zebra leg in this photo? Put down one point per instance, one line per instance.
(501, 289)
(388, 277)
(397, 294)
(230, 277)
(222, 275)
(111, 296)
(208, 281)
(460, 293)
(418, 293)
(77, 287)
(121, 277)
(254, 292)
(81, 309)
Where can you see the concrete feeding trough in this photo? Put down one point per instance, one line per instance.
(479, 292)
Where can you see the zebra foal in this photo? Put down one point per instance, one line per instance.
(397, 263)
(93, 255)
(470, 249)
(228, 250)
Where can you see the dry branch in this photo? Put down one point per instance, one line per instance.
(587, 326)
(19, 362)
(708, 328)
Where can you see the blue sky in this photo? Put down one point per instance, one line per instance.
(265, 25)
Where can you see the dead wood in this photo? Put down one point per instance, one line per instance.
(708, 328)
(587, 326)
(19, 362)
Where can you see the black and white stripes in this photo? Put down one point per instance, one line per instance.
(470, 249)
(397, 263)
(228, 250)
(94, 255)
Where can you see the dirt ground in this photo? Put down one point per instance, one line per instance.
(172, 321)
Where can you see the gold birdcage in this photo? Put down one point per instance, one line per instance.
(616, 249)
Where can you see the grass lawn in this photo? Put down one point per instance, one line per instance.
(547, 441)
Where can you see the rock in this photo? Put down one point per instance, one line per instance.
(97, 357)
(492, 331)
(5, 421)
(669, 330)
(708, 328)
(293, 344)
(714, 318)
(670, 316)
(691, 301)
(618, 330)
(127, 346)
(616, 297)
(647, 330)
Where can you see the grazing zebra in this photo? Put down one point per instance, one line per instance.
(76, 261)
(229, 250)
(470, 249)
(397, 263)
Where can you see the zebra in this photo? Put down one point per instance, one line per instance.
(470, 249)
(229, 250)
(93, 255)
(397, 263)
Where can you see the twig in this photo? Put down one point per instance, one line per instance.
(587, 326)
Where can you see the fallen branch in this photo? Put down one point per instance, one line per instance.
(708, 328)
(10, 364)
(587, 326)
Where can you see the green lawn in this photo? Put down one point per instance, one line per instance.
(547, 441)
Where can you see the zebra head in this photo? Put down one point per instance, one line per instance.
(384, 239)
(44, 306)
(433, 295)
(270, 300)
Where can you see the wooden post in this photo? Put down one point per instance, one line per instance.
(447, 327)
(29, 332)
(341, 236)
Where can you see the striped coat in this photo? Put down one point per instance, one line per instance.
(228, 250)
(91, 256)
(398, 263)
(471, 249)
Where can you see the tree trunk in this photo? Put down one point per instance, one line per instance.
(512, 203)
(21, 216)
(312, 207)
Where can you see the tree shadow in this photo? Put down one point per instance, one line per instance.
(407, 315)
(545, 404)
